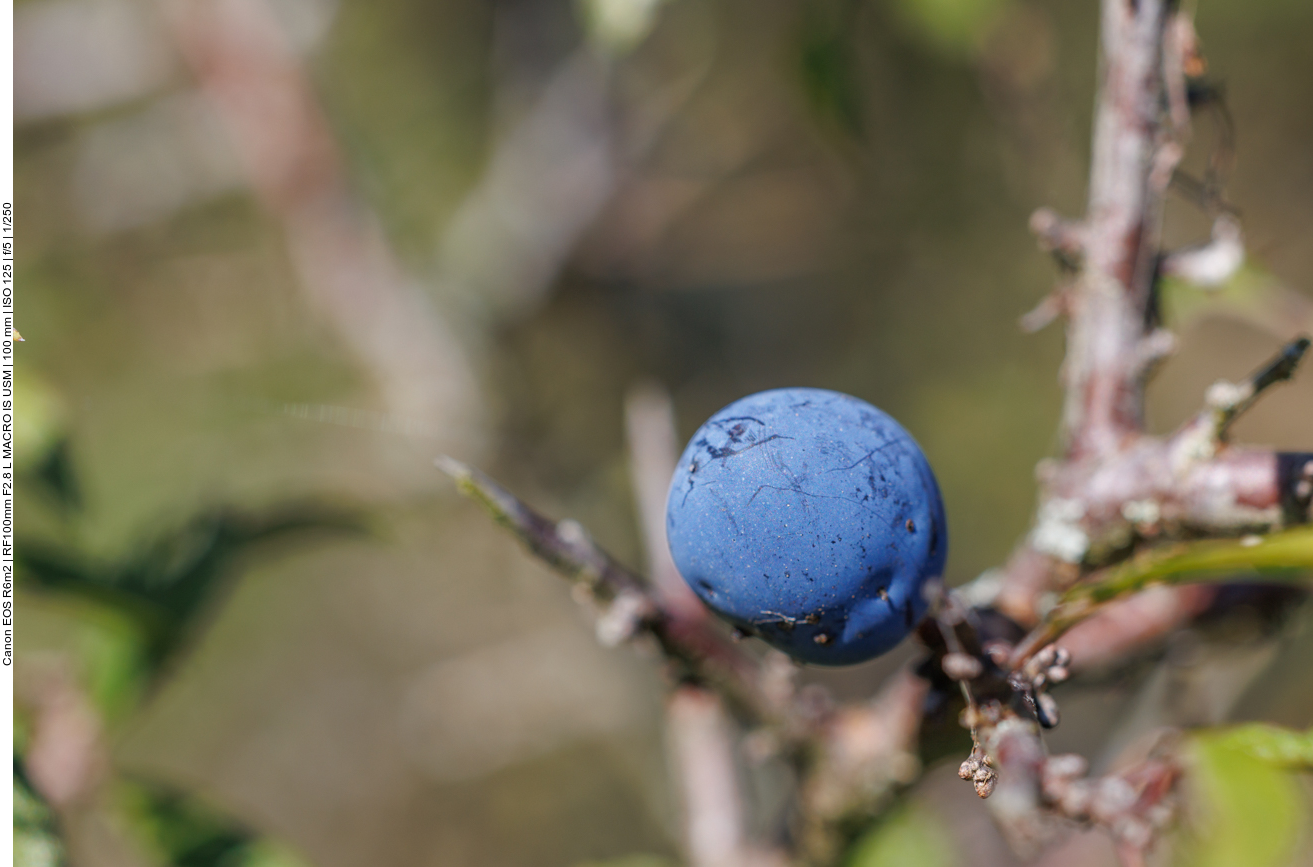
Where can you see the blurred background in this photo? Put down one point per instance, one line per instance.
(275, 256)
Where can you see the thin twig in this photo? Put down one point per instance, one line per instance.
(653, 450)
(628, 605)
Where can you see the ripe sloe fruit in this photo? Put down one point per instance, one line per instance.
(811, 519)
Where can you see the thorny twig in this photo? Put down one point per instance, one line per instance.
(1116, 488)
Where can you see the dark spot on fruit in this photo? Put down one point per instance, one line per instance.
(911, 526)
(822, 638)
(706, 587)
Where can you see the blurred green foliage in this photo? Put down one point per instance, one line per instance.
(36, 838)
(1277, 746)
(181, 831)
(954, 27)
(1243, 809)
(173, 580)
(906, 837)
(828, 57)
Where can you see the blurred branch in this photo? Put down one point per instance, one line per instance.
(1133, 157)
(1226, 401)
(245, 65)
(66, 759)
(653, 451)
(867, 753)
(702, 747)
(546, 181)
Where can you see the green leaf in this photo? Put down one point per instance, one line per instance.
(36, 838)
(908, 837)
(1271, 744)
(1242, 809)
(1278, 556)
(1284, 556)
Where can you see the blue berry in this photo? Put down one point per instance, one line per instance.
(811, 519)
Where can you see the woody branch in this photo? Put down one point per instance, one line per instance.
(1115, 488)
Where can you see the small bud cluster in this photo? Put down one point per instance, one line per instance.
(1047, 667)
(979, 770)
(961, 666)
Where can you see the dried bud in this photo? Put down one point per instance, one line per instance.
(1159, 814)
(1133, 832)
(961, 666)
(1046, 710)
(1075, 799)
(1058, 673)
(1067, 766)
(998, 652)
(1112, 798)
(974, 762)
(985, 780)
